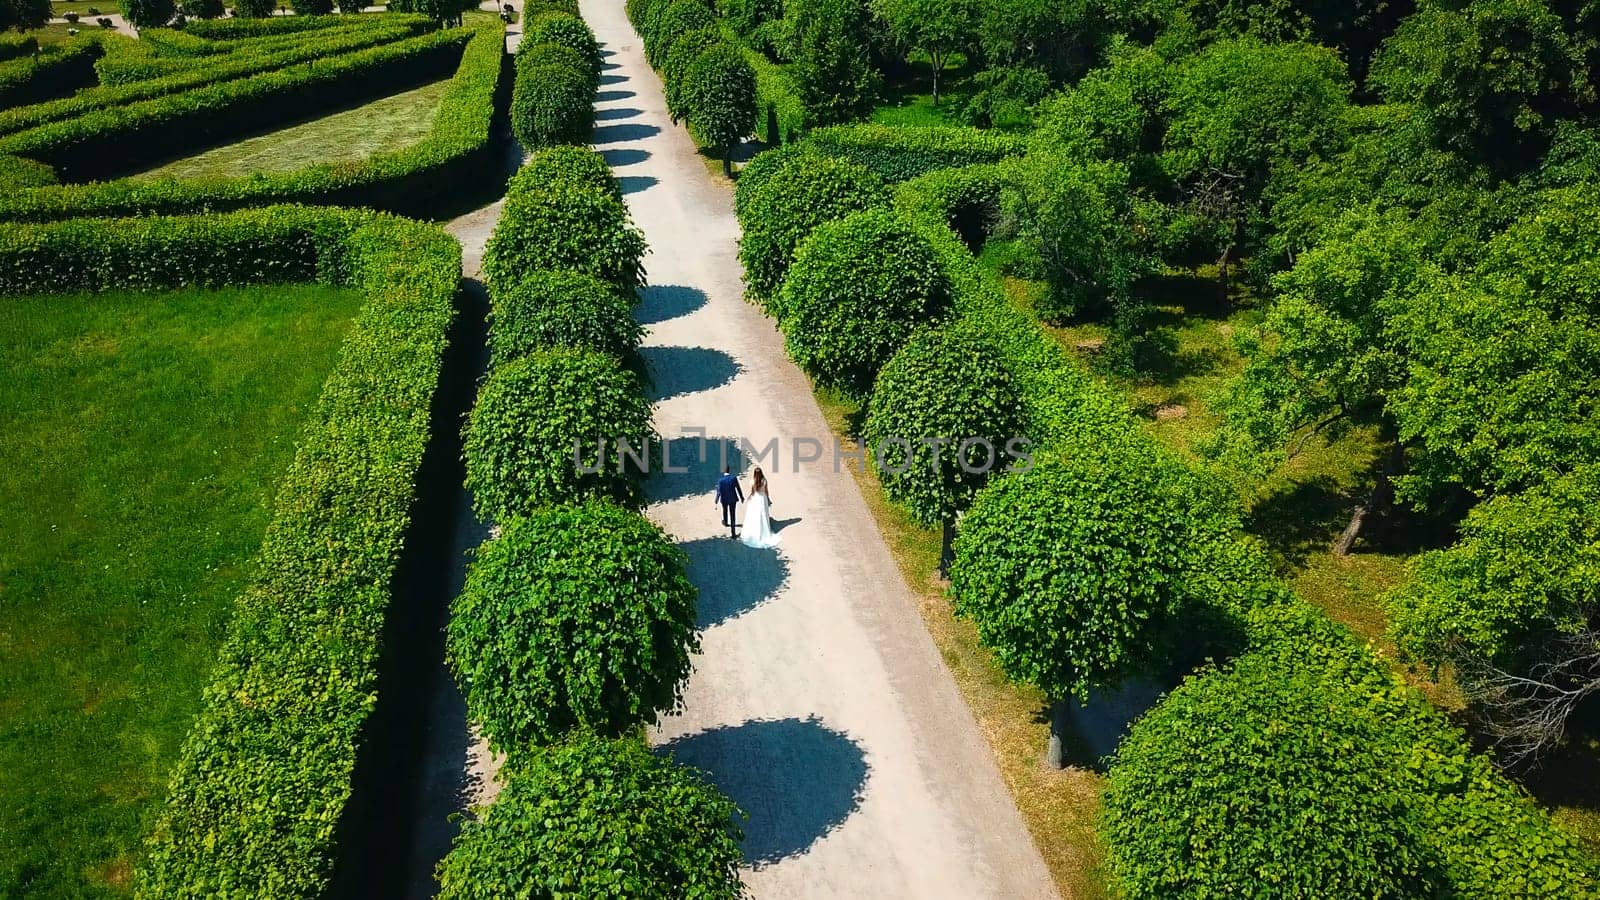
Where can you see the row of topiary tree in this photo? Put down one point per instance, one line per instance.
(558, 71)
(707, 81)
(1108, 556)
(576, 624)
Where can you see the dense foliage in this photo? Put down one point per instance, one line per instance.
(791, 202)
(566, 30)
(561, 225)
(553, 98)
(548, 428)
(573, 617)
(561, 309)
(720, 94)
(858, 287)
(595, 817)
(148, 13)
(22, 15)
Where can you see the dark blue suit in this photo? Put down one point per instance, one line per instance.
(728, 495)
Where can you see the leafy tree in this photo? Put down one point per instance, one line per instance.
(1072, 569)
(351, 7)
(560, 225)
(150, 13)
(1489, 77)
(1515, 608)
(1272, 772)
(590, 818)
(578, 167)
(567, 30)
(721, 92)
(1501, 387)
(1062, 38)
(831, 57)
(858, 288)
(1077, 218)
(748, 16)
(936, 27)
(1005, 97)
(804, 192)
(23, 15)
(685, 50)
(438, 10)
(948, 386)
(1353, 27)
(548, 428)
(671, 20)
(311, 7)
(562, 309)
(1116, 113)
(204, 9)
(573, 617)
(551, 102)
(1240, 114)
(766, 165)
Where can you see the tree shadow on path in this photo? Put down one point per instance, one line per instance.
(733, 578)
(660, 303)
(796, 779)
(633, 184)
(699, 461)
(677, 371)
(616, 134)
(617, 112)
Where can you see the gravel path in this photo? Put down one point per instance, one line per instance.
(820, 703)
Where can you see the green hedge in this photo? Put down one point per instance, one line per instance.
(458, 150)
(162, 127)
(15, 45)
(781, 114)
(16, 172)
(236, 28)
(127, 66)
(195, 74)
(900, 153)
(260, 783)
(58, 70)
(192, 42)
(553, 100)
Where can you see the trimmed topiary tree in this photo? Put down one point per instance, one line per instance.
(552, 104)
(793, 200)
(569, 31)
(950, 387)
(1070, 569)
(534, 56)
(685, 50)
(311, 7)
(858, 288)
(149, 13)
(575, 616)
(721, 92)
(562, 309)
(568, 164)
(203, 9)
(259, 9)
(591, 818)
(754, 174)
(546, 429)
(561, 225)
(1268, 773)
(669, 20)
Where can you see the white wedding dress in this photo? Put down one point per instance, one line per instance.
(757, 531)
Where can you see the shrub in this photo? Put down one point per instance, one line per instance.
(566, 30)
(311, 7)
(203, 9)
(71, 17)
(265, 771)
(579, 167)
(536, 56)
(755, 173)
(254, 9)
(574, 617)
(547, 429)
(50, 73)
(13, 46)
(899, 152)
(669, 21)
(590, 818)
(562, 309)
(1006, 97)
(552, 104)
(685, 50)
(1072, 570)
(538, 7)
(795, 199)
(945, 384)
(720, 88)
(858, 288)
(22, 15)
(564, 226)
(830, 57)
(16, 172)
(781, 114)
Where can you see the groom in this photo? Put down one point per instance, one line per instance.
(729, 494)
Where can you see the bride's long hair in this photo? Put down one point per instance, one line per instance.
(758, 481)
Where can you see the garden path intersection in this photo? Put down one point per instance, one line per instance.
(819, 703)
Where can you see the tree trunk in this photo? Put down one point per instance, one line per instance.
(936, 66)
(774, 138)
(1382, 496)
(727, 160)
(1222, 270)
(1055, 754)
(947, 548)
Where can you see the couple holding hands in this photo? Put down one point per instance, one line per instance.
(758, 513)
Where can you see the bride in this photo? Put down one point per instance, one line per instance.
(757, 530)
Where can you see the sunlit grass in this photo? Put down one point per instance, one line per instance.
(144, 437)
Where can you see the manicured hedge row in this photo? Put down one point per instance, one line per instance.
(781, 114)
(16, 172)
(899, 153)
(236, 28)
(125, 66)
(59, 70)
(192, 73)
(558, 72)
(15, 45)
(189, 42)
(154, 129)
(265, 772)
(458, 150)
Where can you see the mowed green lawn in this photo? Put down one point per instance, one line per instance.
(392, 123)
(142, 437)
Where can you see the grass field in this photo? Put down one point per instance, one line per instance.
(143, 439)
(391, 123)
